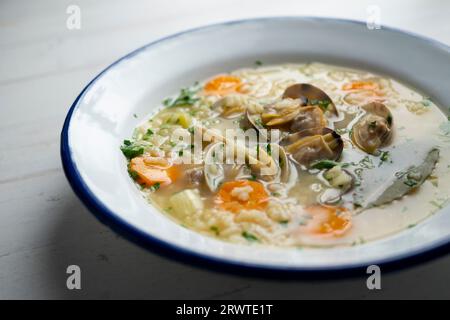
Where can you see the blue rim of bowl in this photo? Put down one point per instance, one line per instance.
(147, 241)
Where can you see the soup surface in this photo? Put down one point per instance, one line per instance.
(294, 155)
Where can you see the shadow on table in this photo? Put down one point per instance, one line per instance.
(113, 267)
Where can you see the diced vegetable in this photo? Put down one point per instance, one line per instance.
(328, 221)
(149, 173)
(186, 202)
(240, 195)
(181, 118)
(361, 85)
(222, 85)
(338, 178)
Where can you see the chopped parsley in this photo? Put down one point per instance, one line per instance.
(148, 134)
(186, 97)
(131, 150)
(215, 229)
(250, 237)
(324, 164)
(269, 149)
(366, 163)
(133, 174)
(275, 194)
(410, 183)
(155, 187)
(384, 156)
(323, 104)
(426, 102)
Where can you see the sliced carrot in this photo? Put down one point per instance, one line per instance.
(230, 201)
(222, 85)
(150, 175)
(173, 172)
(328, 221)
(361, 85)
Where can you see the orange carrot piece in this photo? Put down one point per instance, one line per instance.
(222, 85)
(361, 85)
(328, 221)
(149, 175)
(257, 198)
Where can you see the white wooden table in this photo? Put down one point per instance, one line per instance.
(44, 227)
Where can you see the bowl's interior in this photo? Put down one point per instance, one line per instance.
(104, 116)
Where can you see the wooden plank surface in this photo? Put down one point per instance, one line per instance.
(44, 227)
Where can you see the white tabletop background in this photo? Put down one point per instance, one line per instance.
(44, 227)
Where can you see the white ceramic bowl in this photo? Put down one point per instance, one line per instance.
(102, 117)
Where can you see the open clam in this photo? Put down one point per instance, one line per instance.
(281, 160)
(374, 128)
(291, 119)
(302, 107)
(267, 162)
(308, 118)
(213, 168)
(312, 96)
(315, 144)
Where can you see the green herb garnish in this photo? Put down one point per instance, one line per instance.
(426, 102)
(186, 97)
(215, 229)
(131, 150)
(384, 156)
(410, 182)
(323, 104)
(269, 149)
(148, 134)
(325, 164)
(133, 174)
(366, 163)
(155, 187)
(250, 237)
